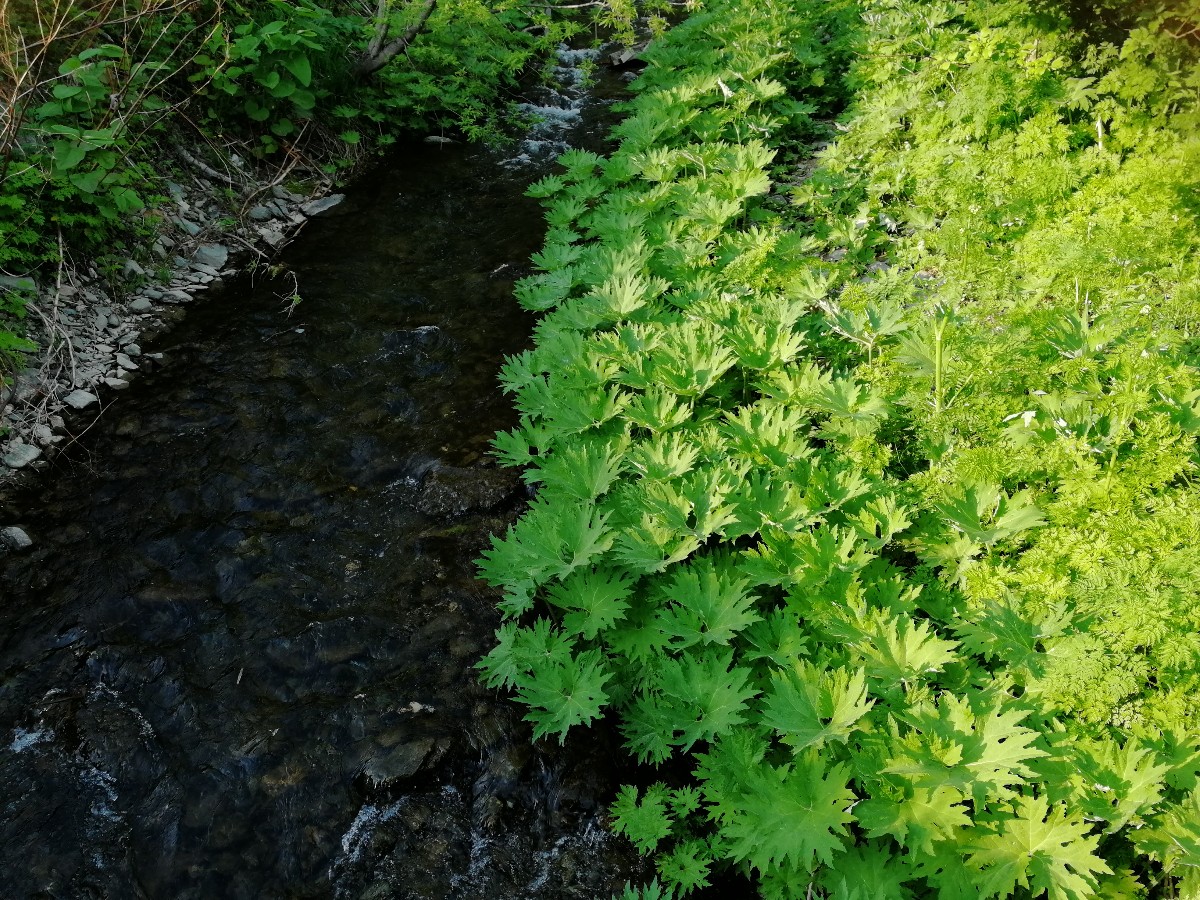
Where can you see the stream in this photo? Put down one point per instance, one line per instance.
(237, 661)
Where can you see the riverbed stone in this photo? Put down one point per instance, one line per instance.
(20, 455)
(78, 399)
(261, 214)
(117, 384)
(125, 362)
(140, 305)
(210, 271)
(316, 207)
(178, 296)
(214, 255)
(450, 491)
(15, 538)
(401, 762)
(188, 226)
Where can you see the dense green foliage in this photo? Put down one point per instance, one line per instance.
(97, 94)
(873, 509)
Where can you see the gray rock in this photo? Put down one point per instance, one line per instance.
(437, 139)
(272, 236)
(188, 226)
(316, 207)
(44, 436)
(14, 283)
(215, 255)
(132, 350)
(281, 193)
(126, 363)
(449, 491)
(175, 190)
(152, 293)
(159, 250)
(140, 305)
(114, 321)
(261, 214)
(403, 761)
(117, 384)
(57, 422)
(80, 399)
(178, 296)
(20, 455)
(206, 270)
(15, 538)
(132, 270)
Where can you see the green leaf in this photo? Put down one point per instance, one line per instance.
(597, 599)
(985, 514)
(923, 817)
(707, 603)
(1042, 849)
(300, 68)
(810, 706)
(794, 814)
(565, 693)
(645, 822)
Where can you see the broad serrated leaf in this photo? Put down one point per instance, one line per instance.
(794, 814)
(923, 817)
(1042, 849)
(810, 706)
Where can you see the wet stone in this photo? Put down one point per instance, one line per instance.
(15, 538)
(141, 304)
(403, 761)
(449, 491)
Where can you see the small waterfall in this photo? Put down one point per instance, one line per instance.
(557, 109)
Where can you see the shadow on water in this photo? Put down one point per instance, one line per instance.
(237, 661)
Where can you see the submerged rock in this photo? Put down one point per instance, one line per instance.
(451, 491)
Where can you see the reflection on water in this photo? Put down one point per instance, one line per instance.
(237, 661)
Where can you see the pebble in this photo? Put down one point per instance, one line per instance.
(117, 384)
(15, 538)
(44, 436)
(78, 399)
(261, 214)
(140, 305)
(132, 350)
(125, 362)
(178, 296)
(207, 270)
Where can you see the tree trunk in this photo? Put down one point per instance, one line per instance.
(381, 51)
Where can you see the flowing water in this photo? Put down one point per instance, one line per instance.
(237, 661)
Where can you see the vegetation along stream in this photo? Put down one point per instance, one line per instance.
(238, 660)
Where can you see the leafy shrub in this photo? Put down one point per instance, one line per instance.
(876, 514)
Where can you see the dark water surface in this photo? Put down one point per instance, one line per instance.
(236, 662)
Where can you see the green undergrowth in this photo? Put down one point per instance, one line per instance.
(98, 96)
(865, 497)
